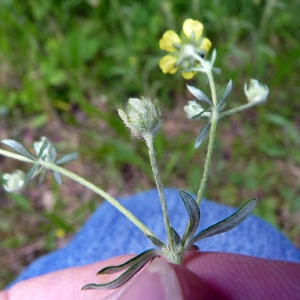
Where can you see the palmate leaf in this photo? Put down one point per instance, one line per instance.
(228, 223)
(199, 95)
(133, 266)
(194, 215)
(50, 155)
(18, 147)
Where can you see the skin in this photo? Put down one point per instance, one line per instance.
(204, 276)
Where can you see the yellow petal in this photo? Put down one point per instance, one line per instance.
(167, 64)
(169, 38)
(205, 44)
(188, 75)
(190, 25)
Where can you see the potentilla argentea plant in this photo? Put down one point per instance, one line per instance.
(189, 54)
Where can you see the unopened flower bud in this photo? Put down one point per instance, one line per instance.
(142, 117)
(193, 109)
(14, 182)
(256, 92)
(49, 153)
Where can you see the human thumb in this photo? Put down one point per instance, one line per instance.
(161, 280)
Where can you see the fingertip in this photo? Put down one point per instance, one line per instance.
(194, 288)
(151, 283)
(161, 280)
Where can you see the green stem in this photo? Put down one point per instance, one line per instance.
(159, 185)
(16, 156)
(237, 109)
(206, 65)
(212, 134)
(87, 184)
(213, 128)
(212, 88)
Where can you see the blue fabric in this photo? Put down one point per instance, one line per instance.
(108, 233)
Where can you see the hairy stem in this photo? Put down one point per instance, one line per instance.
(159, 185)
(212, 134)
(236, 109)
(87, 184)
(212, 87)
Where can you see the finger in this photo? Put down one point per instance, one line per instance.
(64, 284)
(245, 277)
(163, 281)
(211, 275)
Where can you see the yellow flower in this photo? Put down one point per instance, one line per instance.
(169, 38)
(184, 50)
(60, 233)
(167, 64)
(189, 26)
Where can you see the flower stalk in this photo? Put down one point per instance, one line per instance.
(208, 158)
(87, 184)
(213, 129)
(159, 185)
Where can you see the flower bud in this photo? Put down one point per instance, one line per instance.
(194, 109)
(14, 182)
(256, 92)
(49, 153)
(142, 117)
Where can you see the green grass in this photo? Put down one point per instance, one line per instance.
(66, 65)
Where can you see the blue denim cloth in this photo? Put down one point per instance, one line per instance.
(108, 233)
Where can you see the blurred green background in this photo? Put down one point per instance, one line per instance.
(66, 65)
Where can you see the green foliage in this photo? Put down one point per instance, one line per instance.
(73, 50)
